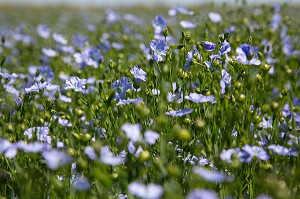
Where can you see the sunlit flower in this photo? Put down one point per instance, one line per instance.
(107, 157)
(59, 38)
(75, 84)
(159, 48)
(132, 131)
(247, 54)
(139, 74)
(37, 87)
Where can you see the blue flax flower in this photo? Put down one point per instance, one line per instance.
(249, 152)
(247, 54)
(124, 85)
(187, 24)
(139, 74)
(190, 56)
(180, 112)
(159, 48)
(37, 87)
(199, 98)
(281, 150)
(209, 46)
(159, 23)
(75, 84)
(225, 81)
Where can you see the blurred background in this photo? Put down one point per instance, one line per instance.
(88, 3)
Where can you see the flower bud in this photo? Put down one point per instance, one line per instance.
(144, 156)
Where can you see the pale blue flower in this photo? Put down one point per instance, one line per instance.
(159, 23)
(37, 87)
(212, 176)
(55, 158)
(199, 98)
(187, 24)
(42, 134)
(202, 194)
(281, 150)
(225, 81)
(59, 38)
(89, 151)
(9, 149)
(124, 85)
(75, 84)
(215, 17)
(151, 137)
(180, 112)
(132, 131)
(246, 52)
(43, 31)
(209, 46)
(190, 56)
(33, 147)
(159, 48)
(81, 183)
(179, 10)
(226, 155)
(249, 152)
(49, 52)
(139, 74)
(150, 191)
(107, 157)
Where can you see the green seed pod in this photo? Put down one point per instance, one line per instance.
(241, 98)
(183, 134)
(86, 137)
(284, 92)
(165, 32)
(144, 156)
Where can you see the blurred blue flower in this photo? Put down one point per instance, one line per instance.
(9, 149)
(212, 176)
(159, 23)
(159, 48)
(75, 84)
(246, 52)
(179, 10)
(139, 74)
(151, 137)
(107, 157)
(249, 152)
(226, 155)
(33, 147)
(43, 31)
(81, 183)
(49, 52)
(132, 131)
(187, 24)
(150, 191)
(55, 158)
(79, 40)
(180, 112)
(90, 152)
(202, 194)
(59, 38)
(281, 150)
(215, 17)
(199, 98)
(209, 46)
